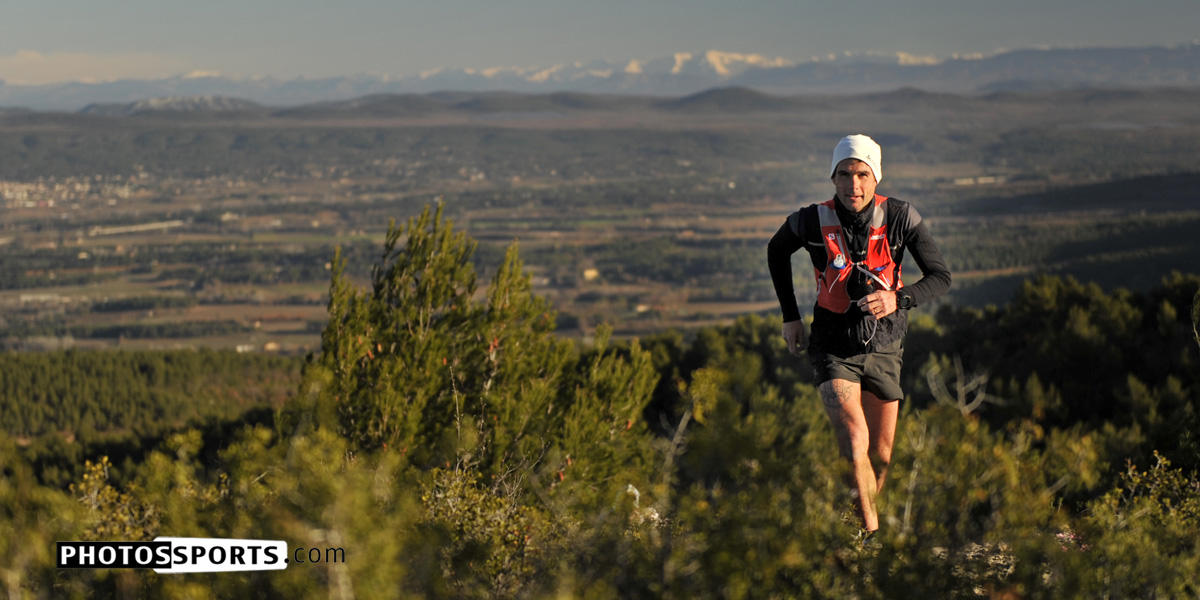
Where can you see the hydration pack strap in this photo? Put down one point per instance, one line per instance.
(859, 266)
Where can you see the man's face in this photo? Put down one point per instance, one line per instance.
(855, 183)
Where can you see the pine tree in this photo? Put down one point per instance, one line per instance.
(416, 365)
(386, 352)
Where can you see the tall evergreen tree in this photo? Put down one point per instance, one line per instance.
(417, 365)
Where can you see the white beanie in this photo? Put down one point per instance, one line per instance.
(861, 147)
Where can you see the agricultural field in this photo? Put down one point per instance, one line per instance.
(162, 230)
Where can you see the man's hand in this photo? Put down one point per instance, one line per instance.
(793, 334)
(878, 304)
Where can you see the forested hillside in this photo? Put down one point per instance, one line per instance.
(456, 448)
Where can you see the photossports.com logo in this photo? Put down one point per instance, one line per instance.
(177, 555)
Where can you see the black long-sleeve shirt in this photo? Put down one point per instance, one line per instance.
(837, 331)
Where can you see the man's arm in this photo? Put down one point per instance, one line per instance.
(780, 249)
(782, 246)
(935, 275)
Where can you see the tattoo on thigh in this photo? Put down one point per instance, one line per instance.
(837, 393)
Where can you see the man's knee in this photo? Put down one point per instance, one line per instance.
(881, 452)
(853, 435)
(881, 462)
(860, 443)
(853, 438)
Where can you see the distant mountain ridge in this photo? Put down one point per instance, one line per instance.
(1128, 108)
(682, 74)
(180, 104)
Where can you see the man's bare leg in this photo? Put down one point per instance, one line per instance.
(843, 404)
(881, 422)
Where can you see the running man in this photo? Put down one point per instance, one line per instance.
(856, 241)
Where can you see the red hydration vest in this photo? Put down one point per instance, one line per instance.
(885, 272)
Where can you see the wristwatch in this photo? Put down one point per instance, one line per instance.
(904, 299)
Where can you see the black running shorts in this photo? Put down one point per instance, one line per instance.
(877, 372)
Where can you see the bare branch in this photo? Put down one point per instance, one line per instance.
(969, 393)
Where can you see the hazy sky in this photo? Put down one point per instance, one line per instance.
(56, 40)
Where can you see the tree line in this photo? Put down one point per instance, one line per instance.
(89, 392)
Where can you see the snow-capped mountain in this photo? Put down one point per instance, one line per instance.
(683, 72)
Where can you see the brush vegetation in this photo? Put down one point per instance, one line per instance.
(455, 448)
